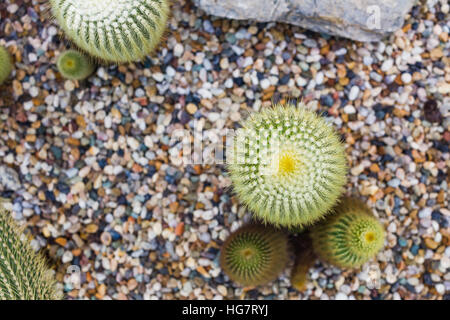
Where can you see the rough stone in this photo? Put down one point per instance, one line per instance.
(354, 19)
(9, 178)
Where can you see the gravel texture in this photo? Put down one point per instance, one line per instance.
(91, 170)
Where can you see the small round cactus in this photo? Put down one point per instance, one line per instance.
(5, 64)
(74, 65)
(254, 255)
(287, 165)
(113, 30)
(350, 237)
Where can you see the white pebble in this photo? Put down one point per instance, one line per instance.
(349, 109)
(406, 77)
(341, 296)
(425, 213)
(354, 91)
(178, 50)
(301, 82)
(387, 65)
(440, 288)
(12, 8)
(265, 83)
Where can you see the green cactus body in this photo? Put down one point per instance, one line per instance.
(350, 237)
(23, 272)
(113, 30)
(287, 165)
(5, 64)
(74, 65)
(254, 255)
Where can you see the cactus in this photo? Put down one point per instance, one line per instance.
(5, 64)
(74, 65)
(254, 255)
(287, 165)
(23, 272)
(350, 237)
(113, 30)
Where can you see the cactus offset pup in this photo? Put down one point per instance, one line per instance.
(74, 65)
(5, 64)
(23, 272)
(254, 255)
(350, 237)
(113, 30)
(287, 165)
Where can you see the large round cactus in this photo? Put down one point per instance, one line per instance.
(113, 30)
(350, 236)
(287, 165)
(23, 272)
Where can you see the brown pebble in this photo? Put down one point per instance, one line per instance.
(430, 243)
(80, 121)
(61, 241)
(106, 238)
(92, 228)
(179, 229)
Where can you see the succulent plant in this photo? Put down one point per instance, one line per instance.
(304, 260)
(349, 237)
(254, 254)
(23, 272)
(5, 64)
(113, 30)
(74, 65)
(287, 165)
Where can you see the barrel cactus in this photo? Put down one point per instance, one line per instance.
(350, 237)
(23, 272)
(254, 255)
(74, 65)
(287, 165)
(113, 30)
(5, 64)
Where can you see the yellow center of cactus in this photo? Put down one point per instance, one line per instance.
(70, 64)
(247, 253)
(288, 164)
(370, 237)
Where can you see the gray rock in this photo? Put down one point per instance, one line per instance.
(9, 178)
(362, 20)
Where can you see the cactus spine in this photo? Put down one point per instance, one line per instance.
(287, 165)
(254, 255)
(113, 30)
(23, 272)
(350, 237)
